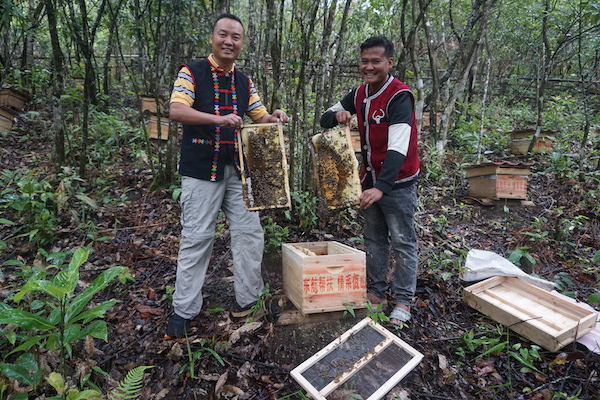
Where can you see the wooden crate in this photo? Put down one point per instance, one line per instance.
(520, 141)
(265, 181)
(336, 169)
(148, 105)
(367, 361)
(152, 127)
(324, 276)
(13, 98)
(498, 180)
(6, 119)
(540, 316)
(355, 139)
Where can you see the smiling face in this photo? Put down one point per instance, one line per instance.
(227, 39)
(375, 66)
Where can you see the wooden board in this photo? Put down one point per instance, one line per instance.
(148, 105)
(542, 317)
(337, 168)
(367, 361)
(152, 127)
(265, 179)
(493, 169)
(324, 276)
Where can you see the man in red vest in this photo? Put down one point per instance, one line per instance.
(384, 108)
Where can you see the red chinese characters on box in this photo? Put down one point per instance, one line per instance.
(322, 284)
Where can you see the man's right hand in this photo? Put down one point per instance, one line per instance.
(230, 121)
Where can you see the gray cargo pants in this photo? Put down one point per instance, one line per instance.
(200, 205)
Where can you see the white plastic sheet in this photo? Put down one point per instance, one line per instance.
(482, 264)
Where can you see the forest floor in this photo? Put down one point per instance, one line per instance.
(143, 230)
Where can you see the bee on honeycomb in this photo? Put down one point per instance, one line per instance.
(265, 184)
(336, 169)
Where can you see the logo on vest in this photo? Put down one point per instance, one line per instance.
(376, 117)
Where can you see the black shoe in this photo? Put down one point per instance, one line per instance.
(177, 327)
(273, 310)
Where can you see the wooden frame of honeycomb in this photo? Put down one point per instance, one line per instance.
(265, 180)
(336, 168)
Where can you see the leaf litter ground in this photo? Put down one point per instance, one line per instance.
(143, 232)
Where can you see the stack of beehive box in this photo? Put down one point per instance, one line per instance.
(155, 117)
(12, 103)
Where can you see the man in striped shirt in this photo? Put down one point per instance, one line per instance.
(210, 98)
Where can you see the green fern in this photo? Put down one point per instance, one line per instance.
(130, 386)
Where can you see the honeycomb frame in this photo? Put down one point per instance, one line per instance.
(264, 169)
(336, 169)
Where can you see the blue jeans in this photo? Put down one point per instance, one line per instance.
(390, 223)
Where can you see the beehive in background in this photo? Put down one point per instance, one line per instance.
(7, 116)
(499, 180)
(13, 99)
(520, 140)
(265, 180)
(336, 168)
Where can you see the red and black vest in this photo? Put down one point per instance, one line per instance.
(373, 123)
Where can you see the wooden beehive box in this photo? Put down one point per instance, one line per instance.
(264, 167)
(367, 361)
(336, 168)
(520, 140)
(152, 127)
(7, 116)
(501, 180)
(13, 98)
(540, 316)
(148, 105)
(324, 276)
(355, 139)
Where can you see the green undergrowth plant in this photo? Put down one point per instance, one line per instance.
(129, 388)
(49, 313)
(34, 203)
(376, 313)
(262, 303)
(499, 344)
(304, 208)
(275, 235)
(205, 348)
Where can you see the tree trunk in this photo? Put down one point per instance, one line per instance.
(58, 83)
(340, 49)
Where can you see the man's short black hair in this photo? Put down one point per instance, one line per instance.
(229, 16)
(379, 41)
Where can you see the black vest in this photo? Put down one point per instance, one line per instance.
(203, 155)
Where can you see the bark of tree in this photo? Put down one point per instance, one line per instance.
(323, 60)
(58, 84)
(470, 42)
(340, 49)
(299, 160)
(542, 77)
(274, 36)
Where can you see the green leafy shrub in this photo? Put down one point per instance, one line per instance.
(49, 314)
